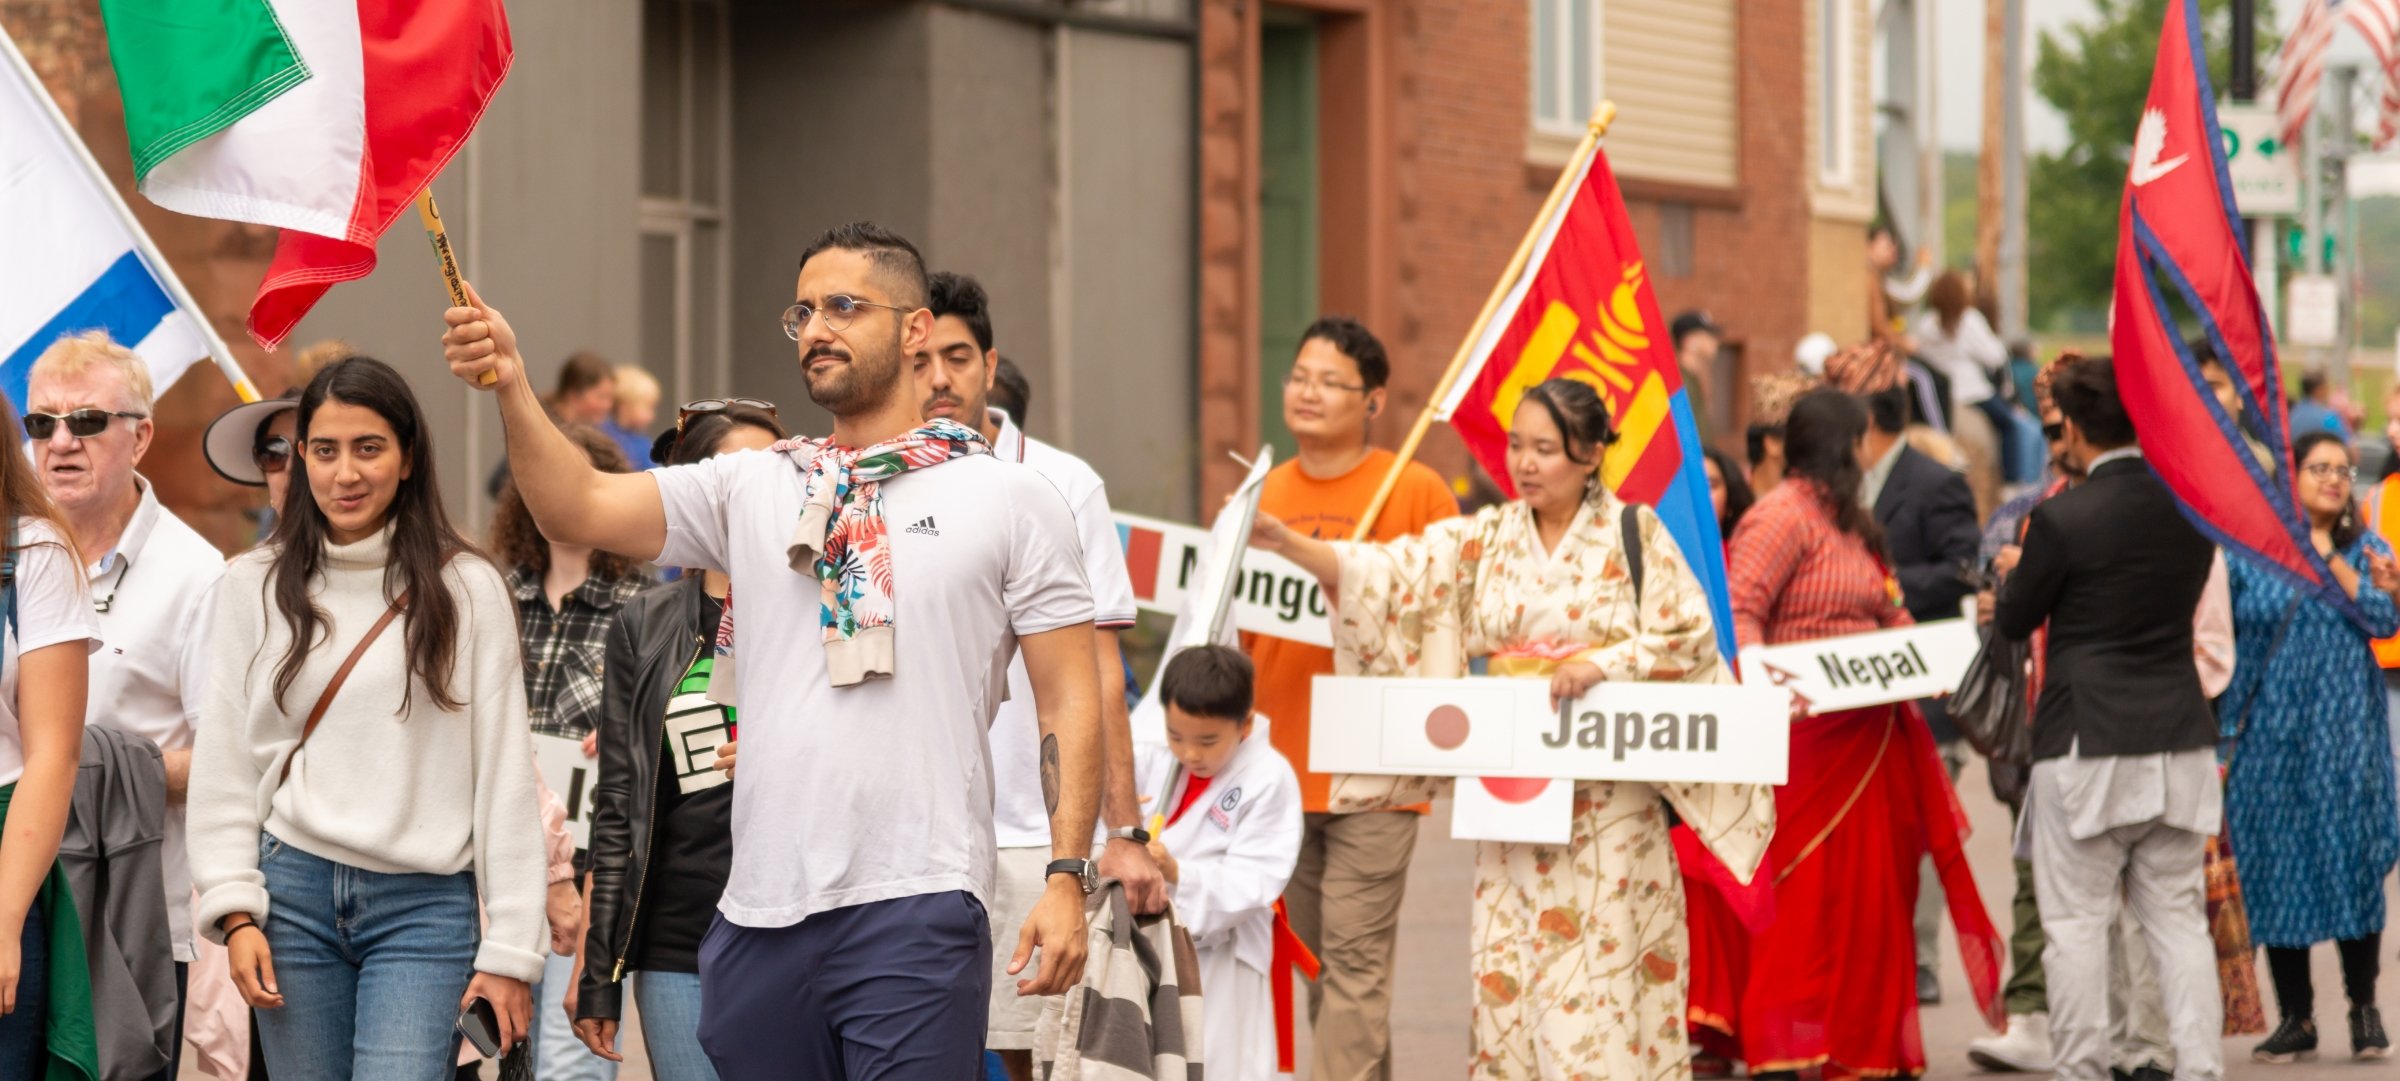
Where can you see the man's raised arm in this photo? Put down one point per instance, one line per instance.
(571, 501)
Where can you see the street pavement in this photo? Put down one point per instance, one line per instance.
(1429, 1012)
(1429, 1009)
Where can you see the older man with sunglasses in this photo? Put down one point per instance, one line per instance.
(88, 418)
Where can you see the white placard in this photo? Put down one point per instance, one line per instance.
(1872, 669)
(2312, 312)
(696, 726)
(1512, 809)
(1208, 580)
(572, 776)
(1272, 595)
(2266, 174)
(1491, 727)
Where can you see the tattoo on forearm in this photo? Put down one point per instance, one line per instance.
(1050, 772)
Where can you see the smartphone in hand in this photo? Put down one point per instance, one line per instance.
(480, 1024)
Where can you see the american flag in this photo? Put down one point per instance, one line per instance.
(2300, 67)
(2378, 21)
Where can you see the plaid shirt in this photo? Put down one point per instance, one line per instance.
(1795, 576)
(564, 648)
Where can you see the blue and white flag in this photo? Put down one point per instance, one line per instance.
(78, 262)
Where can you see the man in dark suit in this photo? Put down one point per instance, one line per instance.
(1932, 536)
(2124, 791)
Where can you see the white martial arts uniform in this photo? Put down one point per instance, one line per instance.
(1234, 849)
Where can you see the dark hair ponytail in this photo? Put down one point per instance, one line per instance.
(423, 540)
(1820, 443)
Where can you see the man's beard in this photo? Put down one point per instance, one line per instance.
(861, 385)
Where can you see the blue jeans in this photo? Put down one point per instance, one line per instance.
(24, 1040)
(557, 1054)
(2024, 454)
(371, 966)
(669, 1003)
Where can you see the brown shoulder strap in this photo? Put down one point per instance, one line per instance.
(316, 713)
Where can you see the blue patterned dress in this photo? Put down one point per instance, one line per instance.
(2309, 794)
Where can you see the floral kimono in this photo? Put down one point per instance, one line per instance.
(1579, 950)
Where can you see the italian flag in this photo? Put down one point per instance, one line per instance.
(322, 118)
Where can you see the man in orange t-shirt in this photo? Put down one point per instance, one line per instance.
(1344, 897)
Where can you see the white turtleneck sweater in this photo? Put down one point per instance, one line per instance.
(431, 791)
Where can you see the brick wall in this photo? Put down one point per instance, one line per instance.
(220, 262)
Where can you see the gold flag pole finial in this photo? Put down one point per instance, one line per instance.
(1603, 115)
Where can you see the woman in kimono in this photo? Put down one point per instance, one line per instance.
(1579, 949)
(1829, 979)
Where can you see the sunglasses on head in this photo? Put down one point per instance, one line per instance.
(272, 454)
(705, 406)
(82, 423)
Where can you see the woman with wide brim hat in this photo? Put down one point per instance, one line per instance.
(251, 445)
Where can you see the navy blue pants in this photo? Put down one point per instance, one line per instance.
(887, 991)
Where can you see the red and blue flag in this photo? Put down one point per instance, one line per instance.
(2179, 231)
(1583, 310)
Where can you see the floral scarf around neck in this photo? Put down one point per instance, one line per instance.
(843, 541)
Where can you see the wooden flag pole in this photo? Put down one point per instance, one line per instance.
(1602, 116)
(431, 215)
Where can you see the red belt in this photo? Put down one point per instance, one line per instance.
(1290, 953)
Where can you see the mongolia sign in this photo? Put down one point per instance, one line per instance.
(1877, 668)
(1273, 597)
(1502, 728)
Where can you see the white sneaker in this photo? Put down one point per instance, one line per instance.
(2025, 1048)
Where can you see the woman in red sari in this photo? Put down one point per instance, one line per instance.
(1828, 977)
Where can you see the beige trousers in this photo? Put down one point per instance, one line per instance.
(1344, 902)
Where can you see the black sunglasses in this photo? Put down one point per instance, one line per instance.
(705, 406)
(2054, 431)
(82, 423)
(272, 454)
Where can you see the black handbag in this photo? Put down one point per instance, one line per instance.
(1989, 706)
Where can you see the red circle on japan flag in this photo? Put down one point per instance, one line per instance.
(1515, 789)
(1446, 727)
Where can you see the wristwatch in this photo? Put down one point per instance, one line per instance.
(1135, 834)
(1085, 876)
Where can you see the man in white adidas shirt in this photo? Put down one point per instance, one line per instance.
(955, 381)
(852, 941)
(150, 576)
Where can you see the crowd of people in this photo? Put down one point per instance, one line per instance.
(892, 841)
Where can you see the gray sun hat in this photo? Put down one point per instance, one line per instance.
(232, 436)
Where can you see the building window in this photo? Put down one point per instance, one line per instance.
(1566, 65)
(1833, 92)
(686, 263)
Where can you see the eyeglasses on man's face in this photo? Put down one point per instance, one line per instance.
(838, 310)
(1303, 383)
(82, 423)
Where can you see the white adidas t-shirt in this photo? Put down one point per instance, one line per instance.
(883, 789)
(54, 605)
(1020, 818)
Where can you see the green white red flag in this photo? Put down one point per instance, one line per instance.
(322, 118)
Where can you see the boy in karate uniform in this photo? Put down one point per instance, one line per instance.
(1232, 835)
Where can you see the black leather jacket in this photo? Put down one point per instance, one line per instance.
(658, 633)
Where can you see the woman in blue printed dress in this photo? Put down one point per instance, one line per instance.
(2309, 788)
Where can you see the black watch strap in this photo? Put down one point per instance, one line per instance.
(1078, 868)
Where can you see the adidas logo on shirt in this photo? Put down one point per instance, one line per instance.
(926, 527)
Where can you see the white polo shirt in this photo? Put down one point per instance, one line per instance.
(883, 789)
(1019, 817)
(148, 677)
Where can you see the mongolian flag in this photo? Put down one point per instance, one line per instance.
(1583, 310)
(2179, 231)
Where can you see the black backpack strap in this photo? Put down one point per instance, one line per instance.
(1629, 519)
(8, 577)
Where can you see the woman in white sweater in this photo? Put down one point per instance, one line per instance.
(340, 858)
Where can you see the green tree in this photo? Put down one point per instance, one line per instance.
(2097, 75)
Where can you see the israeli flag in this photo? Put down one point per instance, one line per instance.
(76, 260)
